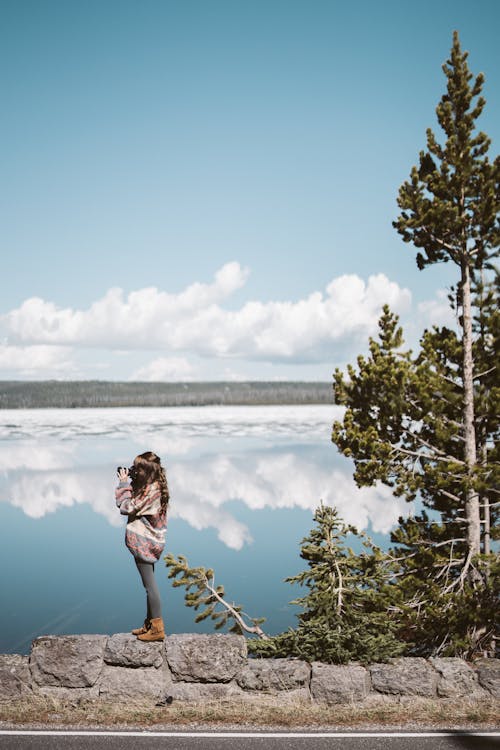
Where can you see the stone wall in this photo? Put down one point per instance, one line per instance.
(203, 667)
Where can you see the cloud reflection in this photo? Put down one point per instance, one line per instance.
(29, 454)
(201, 486)
(278, 481)
(41, 492)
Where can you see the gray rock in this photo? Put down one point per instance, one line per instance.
(339, 683)
(405, 676)
(456, 678)
(125, 683)
(15, 678)
(488, 672)
(124, 650)
(274, 674)
(72, 661)
(204, 691)
(196, 657)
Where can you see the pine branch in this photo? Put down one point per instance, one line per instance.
(439, 241)
(468, 569)
(486, 372)
(446, 459)
(339, 591)
(441, 544)
(449, 380)
(445, 569)
(431, 447)
(254, 629)
(209, 595)
(450, 495)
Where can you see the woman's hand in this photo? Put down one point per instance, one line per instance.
(122, 474)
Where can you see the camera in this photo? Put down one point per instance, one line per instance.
(132, 472)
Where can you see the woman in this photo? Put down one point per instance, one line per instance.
(145, 501)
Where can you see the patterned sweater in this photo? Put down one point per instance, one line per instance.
(147, 520)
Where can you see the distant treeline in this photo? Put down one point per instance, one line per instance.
(97, 393)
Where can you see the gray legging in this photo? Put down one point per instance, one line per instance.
(147, 573)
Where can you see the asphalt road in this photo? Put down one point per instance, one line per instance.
(248, 741)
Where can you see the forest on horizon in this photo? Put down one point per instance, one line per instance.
(16, 394)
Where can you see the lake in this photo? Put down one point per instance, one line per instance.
(244, 484)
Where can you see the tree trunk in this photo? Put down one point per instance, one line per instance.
(472, 499)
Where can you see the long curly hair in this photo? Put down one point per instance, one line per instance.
(147, 469)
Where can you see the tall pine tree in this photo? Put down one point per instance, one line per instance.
(427, 424)
(450, 213)
(402, 427)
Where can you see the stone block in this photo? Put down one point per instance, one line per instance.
(405, 676)
(488, 672)
(15, 677)
(196, 657)
(339, 683)
(123, 683)
(274, 674)
(125, 650)
(456, 678)
(72, 661)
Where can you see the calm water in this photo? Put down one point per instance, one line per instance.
(244, 483)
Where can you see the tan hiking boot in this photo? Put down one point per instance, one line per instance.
(144, 629)
(155, 633)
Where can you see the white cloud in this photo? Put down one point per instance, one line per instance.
(437, 311)
(165, 368)
(235, 377)
(194, 321)
(36, 360)
(140, 320)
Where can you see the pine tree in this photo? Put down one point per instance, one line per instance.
(345, 613)
(450, 212)
(402, 426)
(427, 425)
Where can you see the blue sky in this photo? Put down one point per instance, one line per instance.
(231, 167)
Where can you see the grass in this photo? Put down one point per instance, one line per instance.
(43, 711)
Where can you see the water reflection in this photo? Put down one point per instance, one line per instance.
(243, 484)
(30, 455)
(280, 480)
(43, 479)
(38, 493)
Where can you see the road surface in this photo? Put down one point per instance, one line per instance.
(111, 740)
